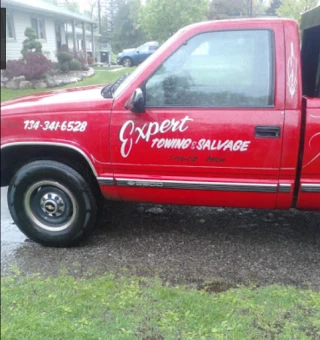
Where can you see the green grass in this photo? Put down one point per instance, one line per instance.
(99, 68)
(133, 308)
(98, 78)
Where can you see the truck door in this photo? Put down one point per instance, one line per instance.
(211, 133)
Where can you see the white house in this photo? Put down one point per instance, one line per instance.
(54, 25)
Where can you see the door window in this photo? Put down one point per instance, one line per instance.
(143, 49)
(216, 69)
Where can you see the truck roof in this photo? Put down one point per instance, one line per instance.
(253, 20)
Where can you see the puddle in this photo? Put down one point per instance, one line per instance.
(10, 233)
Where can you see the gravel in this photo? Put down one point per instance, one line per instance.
(184, 245)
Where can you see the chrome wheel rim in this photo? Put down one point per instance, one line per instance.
(50, 205)
(127, 63)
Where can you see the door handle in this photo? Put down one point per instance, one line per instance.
(267, 131)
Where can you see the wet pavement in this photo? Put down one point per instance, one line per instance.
(189, 245)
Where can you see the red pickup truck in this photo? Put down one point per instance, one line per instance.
(225, 113)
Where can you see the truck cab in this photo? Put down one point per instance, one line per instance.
(216, 117)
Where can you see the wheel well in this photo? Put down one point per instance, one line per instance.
(127, 58)
(16, 156)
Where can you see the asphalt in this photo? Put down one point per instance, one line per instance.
(180, 245)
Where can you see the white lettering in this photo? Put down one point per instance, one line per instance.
(154, 142)
(150, 133)
(213, 145)
(174, 143)
(169, 143)
(186, 143)
(237, 145)
(147, 131)
(140, 133)
(201, 144)
(221, 144)
(183, 121)
(161, 143)
(245, 146)
(229, 146)
(124, 149)
(207, 144)
(131, 134)
(165, 126)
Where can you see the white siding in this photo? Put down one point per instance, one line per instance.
(21, 21)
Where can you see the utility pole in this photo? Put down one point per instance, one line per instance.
(99, 15)
(99, 18)
(250, 8)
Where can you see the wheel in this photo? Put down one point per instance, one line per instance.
(127, 62)
(52, 204)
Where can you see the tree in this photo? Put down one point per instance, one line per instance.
(91, 12)
(226, 9)
(71, 5)
(126, 29)
(31, 44)
(294, 8)
(109, 9)
(160, 19)
(274, 5)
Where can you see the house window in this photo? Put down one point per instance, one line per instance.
(10, 27)
(38, 26)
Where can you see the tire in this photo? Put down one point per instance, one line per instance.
(52, 204)
(127, 62)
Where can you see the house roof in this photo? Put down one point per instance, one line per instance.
(79, 31)
(45, 8)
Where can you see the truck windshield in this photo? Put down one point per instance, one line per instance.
(124, 84)
(108, 91)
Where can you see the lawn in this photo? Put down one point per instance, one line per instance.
(134, 308)
(102, 76)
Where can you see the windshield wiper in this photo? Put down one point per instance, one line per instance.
(108, 91)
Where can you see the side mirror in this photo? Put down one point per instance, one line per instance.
(137, 51)
(136, 102)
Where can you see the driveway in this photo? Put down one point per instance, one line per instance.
(187, 245)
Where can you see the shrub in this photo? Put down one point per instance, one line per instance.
(74, 65)
(79, 55)
(90, 60)
(31, 45)
(63, 57)
(55, 65)
(33, 66)
(64, 67)
(64, 48)
(14, 68)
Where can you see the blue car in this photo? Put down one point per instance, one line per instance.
(135, 56)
